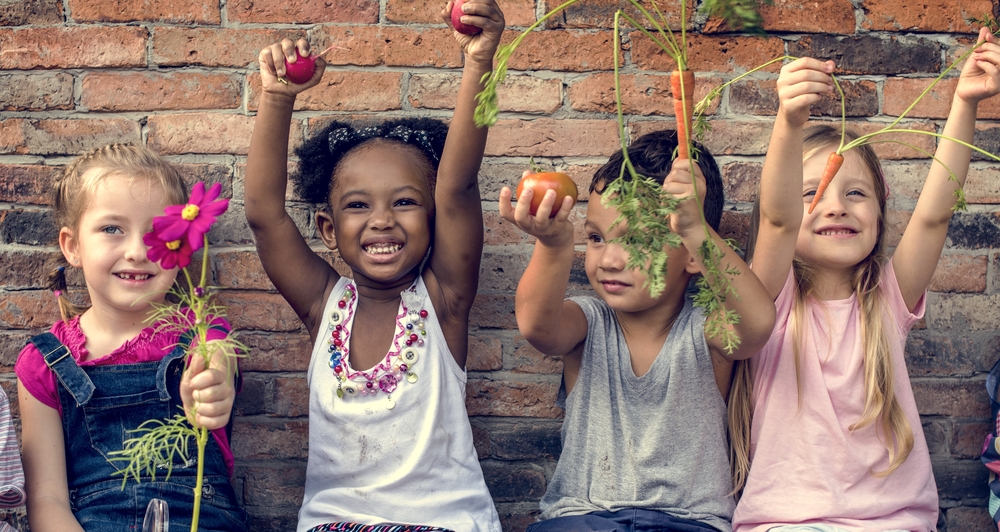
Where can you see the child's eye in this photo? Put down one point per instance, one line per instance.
(595, 238)
(809, 193)
(857, 192)
(355, 205)
(112, 230)
(407, 201)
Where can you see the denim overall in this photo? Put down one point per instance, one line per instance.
(100, 404)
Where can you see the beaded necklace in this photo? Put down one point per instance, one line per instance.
(398, 362)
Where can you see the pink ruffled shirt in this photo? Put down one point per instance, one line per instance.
(147, 346)
(808, 467)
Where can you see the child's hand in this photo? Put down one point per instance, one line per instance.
(484, 14)
(207, 393)
(678, 183)
(272, 67)
(553, 232)
(800, 84)
(980, 77)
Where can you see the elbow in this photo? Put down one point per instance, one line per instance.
(754, 330)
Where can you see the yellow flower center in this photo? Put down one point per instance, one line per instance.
(174, 245)
(190, 212)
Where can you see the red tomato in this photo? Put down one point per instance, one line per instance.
(542, 182)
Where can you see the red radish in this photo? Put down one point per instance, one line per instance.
(302, 69)
(683, 109)
(456, 20)
(540, 183)
(833, 164)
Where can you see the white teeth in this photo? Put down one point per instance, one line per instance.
(837, 232)
(382, 249)
(134, 277)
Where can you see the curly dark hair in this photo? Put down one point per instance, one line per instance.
(652, 155)
(321, 156)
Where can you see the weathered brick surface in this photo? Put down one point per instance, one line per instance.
(180, 76)
(175, 11)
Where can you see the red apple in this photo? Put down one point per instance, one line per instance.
(301, 70)
(456, 20)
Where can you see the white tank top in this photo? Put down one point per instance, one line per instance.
(399, 451)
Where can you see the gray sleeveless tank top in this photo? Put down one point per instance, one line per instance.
(656, 442)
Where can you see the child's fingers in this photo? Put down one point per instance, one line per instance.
(302, 46)
(446, 13)
(544, 210)
(809, 63)
(277, 56)
(481, 14)
(266, 61)
(288, 50)
(506, 208)
(522, 213)
(567, 205)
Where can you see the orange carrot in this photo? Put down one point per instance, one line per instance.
(683, 126)
(833, 164)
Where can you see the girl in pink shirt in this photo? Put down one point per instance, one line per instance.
(836, 441)
(101, 371)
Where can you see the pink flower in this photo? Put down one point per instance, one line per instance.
(170, 254)
(193, 219)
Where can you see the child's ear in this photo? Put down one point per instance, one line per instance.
(70, 246)
(325, 228)
(692, 266)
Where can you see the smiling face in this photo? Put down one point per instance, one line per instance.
(844, 228)
(382, 209)
(624, 289)
(107, 244)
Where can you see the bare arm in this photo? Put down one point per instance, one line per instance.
(754, 305)
(458, 238)
(44, 458)
(800, 84)
(918, 252)
(278, 241)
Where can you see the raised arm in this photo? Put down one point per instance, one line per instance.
(918, 252)
(548, 322)
(800, 84)
(754, 305)
(458, 233)
(301, 276)
(43, 455)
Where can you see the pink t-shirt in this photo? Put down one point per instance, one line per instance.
(807, 466)
(147, 346)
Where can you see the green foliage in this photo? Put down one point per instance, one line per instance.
(740, 15)
(157, 445)
(714, 288)
(988, 21)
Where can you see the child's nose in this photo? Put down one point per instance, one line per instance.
(613, 257)
(382, 218)
(136, 249)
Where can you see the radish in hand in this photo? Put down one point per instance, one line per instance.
(456, 20)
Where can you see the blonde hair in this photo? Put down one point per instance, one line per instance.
(73, 190)
(881, 404)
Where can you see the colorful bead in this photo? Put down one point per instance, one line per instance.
(342, 303)
(423, 313)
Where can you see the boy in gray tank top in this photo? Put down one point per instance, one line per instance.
(645, 442)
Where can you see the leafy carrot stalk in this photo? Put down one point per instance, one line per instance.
(682, 87)
(833, 164)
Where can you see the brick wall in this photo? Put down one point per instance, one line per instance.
(180, 77)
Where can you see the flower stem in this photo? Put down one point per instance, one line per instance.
(202, 440)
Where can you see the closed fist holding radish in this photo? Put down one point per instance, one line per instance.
(289, 68)
(478, 25)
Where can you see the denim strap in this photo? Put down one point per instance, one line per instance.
(61, 362)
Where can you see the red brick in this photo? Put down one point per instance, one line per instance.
(36, 91)
(601, 13)
(515, 12)
(895, 224)
(65, 137)
(820, 16)
(430, 47)
(578, 51)
(485, 353)
(27, 268)
(11, 343)
(983, 184)
(281, 486)
(303, 11)
(276, 351)
(546, 137)
(493, 175)
(173, 11)
(270, 440)
(206, 133)
(356, 45)
(510, 398)
(642, 94)
(518, 94)
(527, 359)
(711, 53)
(966, 518)
(24, 12)
(965, 312)
(73, 47)
(967, 439)
(899, 93)
(740, 181)
(936, 16)
(726, 137)
(760, 97)
(173, 46)
(951, 397)
(27, 183)
(242, 270)
(500, 231)
(735, 225)
(959, 273)
(345, 91)
(156, 91)
(291, 397)
(258, 310)
(493, 312)
(893, 150)
(33, 309)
